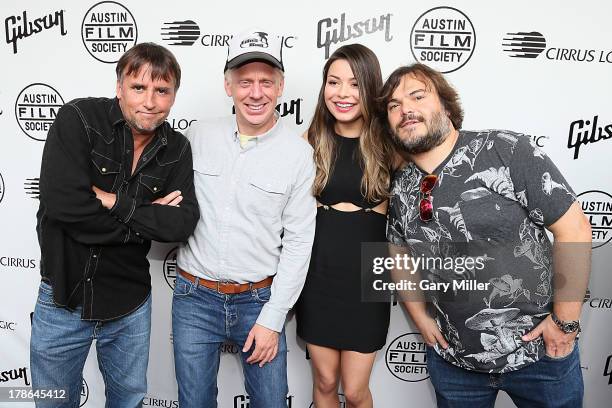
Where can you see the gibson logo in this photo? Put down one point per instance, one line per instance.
(15, 374)
(608, 369)
(327, 34)
(579, 135)
(18, 27)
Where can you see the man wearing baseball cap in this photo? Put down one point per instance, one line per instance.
(245, 265)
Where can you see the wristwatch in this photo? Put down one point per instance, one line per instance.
(566, 327)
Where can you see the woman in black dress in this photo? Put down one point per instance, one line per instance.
(352, 160)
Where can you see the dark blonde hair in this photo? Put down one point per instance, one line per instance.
(374, 149)
(162, 62)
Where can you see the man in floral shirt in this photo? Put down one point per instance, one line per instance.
(488, 189)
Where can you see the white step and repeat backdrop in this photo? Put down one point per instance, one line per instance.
(539, 67)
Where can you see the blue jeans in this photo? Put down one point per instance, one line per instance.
(61, 341)
(202, 320)
(547, 383)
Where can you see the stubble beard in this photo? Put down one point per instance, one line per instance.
(134, 125)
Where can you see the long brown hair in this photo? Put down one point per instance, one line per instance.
(430, 77)
(374, 149)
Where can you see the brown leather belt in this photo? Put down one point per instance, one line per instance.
(227, 288)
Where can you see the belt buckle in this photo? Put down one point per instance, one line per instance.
(219, 284)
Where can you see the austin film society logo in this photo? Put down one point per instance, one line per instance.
(187, 33)
(334, 30)
(531, 44)
(20, 27)
(36, 108)
(443, 38)
(597, 206)
(170, 267)
(108, 30)
(406, 358)
(84, 393)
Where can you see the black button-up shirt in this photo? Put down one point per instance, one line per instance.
(92, 256)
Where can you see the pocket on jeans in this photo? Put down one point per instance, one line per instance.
(262, 295)
(561, 358)
(182, 286)
(45, 294)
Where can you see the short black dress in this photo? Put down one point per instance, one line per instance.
(330, 312)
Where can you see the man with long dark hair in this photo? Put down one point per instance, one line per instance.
(503, 326)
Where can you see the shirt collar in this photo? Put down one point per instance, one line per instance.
(264, 137)
(114, 113)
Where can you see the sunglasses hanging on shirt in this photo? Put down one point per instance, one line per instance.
(425, 205)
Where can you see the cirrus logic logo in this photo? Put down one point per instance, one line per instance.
(181, 32)
(36, 108)
(524, 44)
(108, 30)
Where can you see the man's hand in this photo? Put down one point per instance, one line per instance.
(266, 345)
(557, 343)
(173, 199)
(430, 331)
(108, 199)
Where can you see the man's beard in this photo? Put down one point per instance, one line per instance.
(438, 130)
(134, 125)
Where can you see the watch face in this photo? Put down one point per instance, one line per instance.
(570, 327)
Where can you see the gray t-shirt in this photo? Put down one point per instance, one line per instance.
(495, 190)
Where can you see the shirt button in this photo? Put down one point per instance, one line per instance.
(154, 188)
(138, 233)
(95, 256)
(88, 279)
(103, 169)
